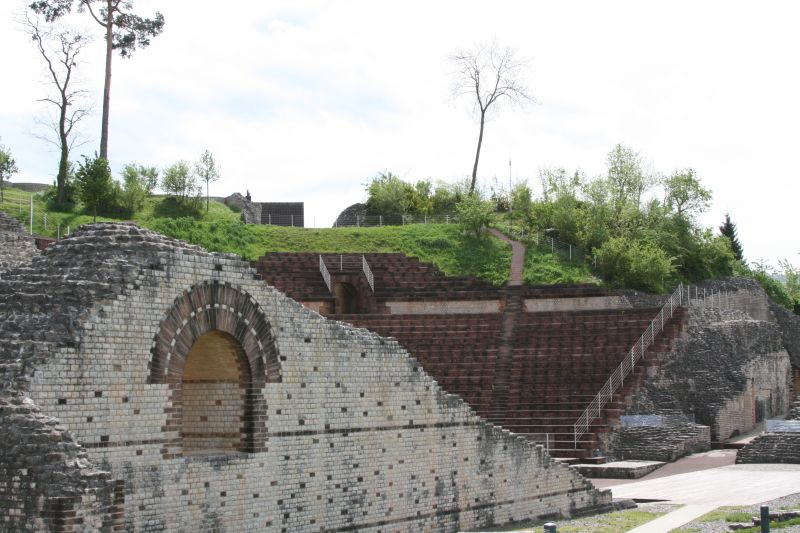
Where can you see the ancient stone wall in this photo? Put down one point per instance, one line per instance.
(666, 443)
(729, 372)
(15, 247)
(338, 429)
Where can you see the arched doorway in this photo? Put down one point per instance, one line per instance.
(215, 351)
(345, 298)
(215, 400)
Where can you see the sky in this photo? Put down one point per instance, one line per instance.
(307, 100)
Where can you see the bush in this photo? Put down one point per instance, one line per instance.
(95, 186)
(635, 264)
(138, 184)
(474, 214)
(180, 182)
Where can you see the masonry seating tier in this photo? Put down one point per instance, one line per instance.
(397, 277)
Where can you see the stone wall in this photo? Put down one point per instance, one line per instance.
(15, 247)
(339, 429)
(772, 448)
(729, 372)
(665, 443)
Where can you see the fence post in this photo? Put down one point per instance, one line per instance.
(765, 519)
(403, 218)
(292, 219)
(269, 218)
(380, 220)
(570, 253)
(58, 232)
(31, 232)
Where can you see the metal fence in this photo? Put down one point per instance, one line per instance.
(368, 221)
(617, 378)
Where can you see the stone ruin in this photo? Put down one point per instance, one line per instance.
(148, 385)
(16, 248)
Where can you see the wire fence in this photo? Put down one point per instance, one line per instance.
(35, 220)
(368, 221)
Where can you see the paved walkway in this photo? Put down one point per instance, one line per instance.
(705, 490)
(517, 257)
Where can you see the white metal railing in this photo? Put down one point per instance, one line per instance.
(368, 273)
(325, 274)
(710, 298)
(617, 378)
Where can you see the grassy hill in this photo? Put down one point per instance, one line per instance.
(221, 230)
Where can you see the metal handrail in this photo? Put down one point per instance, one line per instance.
(617, 378)
(368, 273)
(325, 274)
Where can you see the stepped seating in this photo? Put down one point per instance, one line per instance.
(459, 351)
(558, 362)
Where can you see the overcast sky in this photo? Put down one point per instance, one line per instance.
(305, 101)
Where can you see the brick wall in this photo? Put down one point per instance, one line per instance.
(340, 429)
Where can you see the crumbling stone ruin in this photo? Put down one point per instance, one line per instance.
(729, 372)
(148, 385)
(665, 443)
(15, 247)
(775, 446)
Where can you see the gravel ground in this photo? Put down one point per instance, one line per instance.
(791, 502)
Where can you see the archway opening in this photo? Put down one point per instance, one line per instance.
(215, 402)
(346, 298)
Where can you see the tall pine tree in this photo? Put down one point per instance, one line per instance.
(728, 229)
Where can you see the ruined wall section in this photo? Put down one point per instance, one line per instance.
(729, 372)
(355, 435)
(16, 248)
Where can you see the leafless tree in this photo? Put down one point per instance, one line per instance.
(124, 32)
(492, 74)
(60, 47)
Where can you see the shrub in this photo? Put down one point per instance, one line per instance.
(634, 264)
(95, 186)
(474, 214)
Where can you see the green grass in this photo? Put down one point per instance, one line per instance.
(726, 513)
(220, 230)
(548, 268)
(441, 244)
(731, 514)
(615, 522)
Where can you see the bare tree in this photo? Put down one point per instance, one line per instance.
(492, 74)
(60, 48)
(123, 29)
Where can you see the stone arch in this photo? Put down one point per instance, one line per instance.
(214, 306)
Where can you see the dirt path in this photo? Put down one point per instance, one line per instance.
(517, 257)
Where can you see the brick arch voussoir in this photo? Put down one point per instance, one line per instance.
(214, 306)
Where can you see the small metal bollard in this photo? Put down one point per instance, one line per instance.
(765, 519)
(550, 527)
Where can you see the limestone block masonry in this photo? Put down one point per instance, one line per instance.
(305, 424)
(16, 248)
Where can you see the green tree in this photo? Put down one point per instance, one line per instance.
(207, 170)
(138, 183)
(685, 196)
(7, 167)
(179, 181)
(728, 229)
(627, 182)
(491, 74)
(123, 29)
(474, 214)
(634, 264)
(387, 194)
(94, 183)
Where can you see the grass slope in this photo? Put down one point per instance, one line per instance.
(440, 244)
(220, 230)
